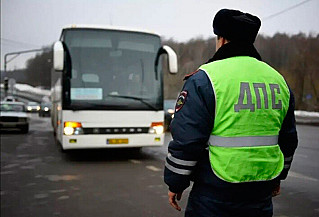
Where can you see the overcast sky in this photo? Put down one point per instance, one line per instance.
(31, 24)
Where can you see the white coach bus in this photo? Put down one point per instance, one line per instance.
(107, 87)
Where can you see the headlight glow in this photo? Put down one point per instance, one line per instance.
(68, 131)
(171, 111)
(71, 128)
(46, 109)
(159, 129)
(156, 127)
(38, 108)
(29, 108)
(72, 124)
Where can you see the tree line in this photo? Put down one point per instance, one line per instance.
(296, 57)
(37, 71)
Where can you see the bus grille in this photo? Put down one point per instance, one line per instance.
(116, 130)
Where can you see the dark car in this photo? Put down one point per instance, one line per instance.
(45, 109)
(169, 108)
(9, 99)
(33, 107)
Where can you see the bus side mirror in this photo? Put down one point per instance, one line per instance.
(58, 56)
(172, 59)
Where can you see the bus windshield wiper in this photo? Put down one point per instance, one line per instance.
(87, 105)
(135, 98)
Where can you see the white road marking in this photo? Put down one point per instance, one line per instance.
(155, 186)
(7, 172)
(40, 196)
(35, 160)
(64, 197)
(301, 176)
(135, 161)
(9, 166)
(57, 191)
(301, 155)
(153, 168)
(27, 167)
(63, 177)
(22, 155)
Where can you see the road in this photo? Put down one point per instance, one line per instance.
(38, 180)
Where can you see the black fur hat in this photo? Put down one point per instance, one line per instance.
(236, 26)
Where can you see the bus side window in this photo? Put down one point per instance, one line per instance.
(90, 78)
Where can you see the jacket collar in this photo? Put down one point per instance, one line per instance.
(233, 49)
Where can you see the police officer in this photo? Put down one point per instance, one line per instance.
(234, 131)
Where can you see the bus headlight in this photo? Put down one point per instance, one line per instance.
(78, 131)
(171, 111)
(156, 127)
(72, 128)
(68, 131)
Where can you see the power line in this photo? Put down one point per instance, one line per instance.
(18, 42)
(14, 45)
(285, 10)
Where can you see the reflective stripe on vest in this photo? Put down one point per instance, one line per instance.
(246, 141)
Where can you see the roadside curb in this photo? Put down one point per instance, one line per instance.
(304, 117)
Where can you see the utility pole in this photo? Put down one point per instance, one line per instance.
(17, 54)
(6, 86)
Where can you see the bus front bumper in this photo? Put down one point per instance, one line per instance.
(111, 140)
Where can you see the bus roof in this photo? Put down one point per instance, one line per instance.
(108, 27)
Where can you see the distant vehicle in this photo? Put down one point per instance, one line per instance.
(169, 108)
(9, 99)
(107, 87)
(33, 107)
(45, 109)
(13, 115)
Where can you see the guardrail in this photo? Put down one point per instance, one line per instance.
(29, 92)
(303, 117)
(28, 96)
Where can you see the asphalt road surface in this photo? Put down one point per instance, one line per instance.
(38, 180)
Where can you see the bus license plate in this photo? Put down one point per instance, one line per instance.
(116, 141)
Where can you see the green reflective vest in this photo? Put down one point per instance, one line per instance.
(251, 101)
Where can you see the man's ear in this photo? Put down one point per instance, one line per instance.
(223, 41)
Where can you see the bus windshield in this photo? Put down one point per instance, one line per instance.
(112, 69)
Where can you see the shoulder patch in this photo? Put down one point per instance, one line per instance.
(190, 74)
(181, 100)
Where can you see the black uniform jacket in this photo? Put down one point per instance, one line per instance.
(192, 125)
